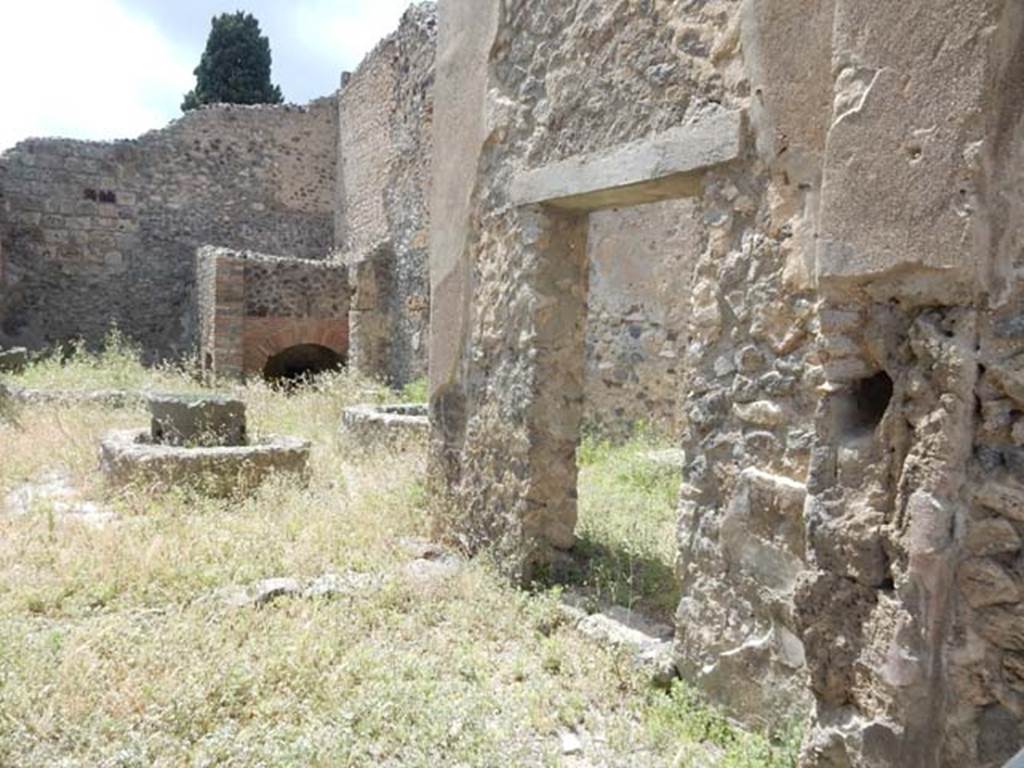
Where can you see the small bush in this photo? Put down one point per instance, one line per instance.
(416, 391)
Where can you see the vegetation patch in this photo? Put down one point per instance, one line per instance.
(114, 651)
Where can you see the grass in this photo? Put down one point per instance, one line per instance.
(116, 365)
(627, 519)
(113, 654)
(416, 391)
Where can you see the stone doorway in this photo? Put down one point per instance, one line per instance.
(506, 435)
(555, 204)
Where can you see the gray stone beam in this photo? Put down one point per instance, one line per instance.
(660, 167)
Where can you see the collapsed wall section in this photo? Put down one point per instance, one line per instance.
(99, 233)
(385, 117)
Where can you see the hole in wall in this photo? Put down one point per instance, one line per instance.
(866, 403)
(301, 361)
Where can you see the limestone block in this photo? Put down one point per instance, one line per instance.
(762, 530)
(763, 413)
(1005, 498)
(657, 168)
(197, 420)
(992, 537)
(899, 193)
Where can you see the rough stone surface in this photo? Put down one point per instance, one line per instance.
(129, 457)
(644, 171)
(196, 420)
(641, 262)
(395, 424)
(850, 376)
(385, 114)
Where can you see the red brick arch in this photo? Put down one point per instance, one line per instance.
(263, 337)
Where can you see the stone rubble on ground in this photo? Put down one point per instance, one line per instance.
(429, 566)
(54, 492)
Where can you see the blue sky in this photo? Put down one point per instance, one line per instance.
(105, 69)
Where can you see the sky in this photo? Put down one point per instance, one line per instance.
(108, 69)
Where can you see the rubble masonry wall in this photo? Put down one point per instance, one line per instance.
(95, 233)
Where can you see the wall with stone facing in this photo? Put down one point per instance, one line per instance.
(95, 233)
(851, 497)
(641, 261)
(385, 117)
(253, 306)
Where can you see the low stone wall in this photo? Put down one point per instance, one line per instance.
(107, 398)
(129, 457)
(394, 424)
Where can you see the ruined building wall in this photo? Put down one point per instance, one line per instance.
(850, 505)
(95, 233)
(507, 391)
(385, 117)
(253, 306)
(385, 144)
(920, 295)
(640, 261)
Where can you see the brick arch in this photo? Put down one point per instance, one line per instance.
(264, 337)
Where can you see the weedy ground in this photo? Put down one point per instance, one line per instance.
(114, 654)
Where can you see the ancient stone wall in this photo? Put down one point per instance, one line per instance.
(385, 117)
(95, 233)
(255, 309)
(851, 497)
(641, 261)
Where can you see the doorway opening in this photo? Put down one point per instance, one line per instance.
(300, 363)
(628, 467)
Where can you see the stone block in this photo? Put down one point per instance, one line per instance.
(985, 582)
(197, 420)
(661, 167)
(375, 424)
(899, 196)
(129, 457)
(992, 537)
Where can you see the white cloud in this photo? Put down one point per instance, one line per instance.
(346, 31)
(103, 69)
(88, 70)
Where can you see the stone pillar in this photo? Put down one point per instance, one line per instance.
(221, 306)
(907, 665)
(371, 323)
(556, 347)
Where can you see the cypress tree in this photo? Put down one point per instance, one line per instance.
(235, 67)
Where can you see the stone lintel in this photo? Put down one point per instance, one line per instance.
(660, 167)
